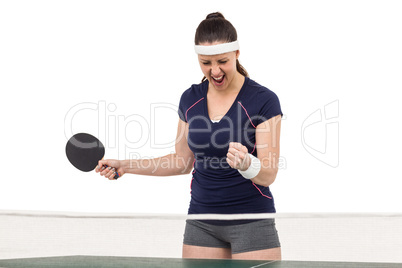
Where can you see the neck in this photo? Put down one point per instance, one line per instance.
(233, 88)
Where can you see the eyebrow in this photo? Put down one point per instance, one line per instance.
(222, 59)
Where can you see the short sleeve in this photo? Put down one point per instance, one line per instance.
(269, 105)
(181, 109)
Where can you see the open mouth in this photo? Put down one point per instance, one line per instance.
(218, 80)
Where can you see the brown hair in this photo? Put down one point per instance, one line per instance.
(216, 28)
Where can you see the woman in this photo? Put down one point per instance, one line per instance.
(231, 127)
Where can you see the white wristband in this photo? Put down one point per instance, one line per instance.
(253, 169)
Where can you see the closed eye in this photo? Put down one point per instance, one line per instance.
(220, 62)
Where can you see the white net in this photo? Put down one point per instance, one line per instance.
(304, 237)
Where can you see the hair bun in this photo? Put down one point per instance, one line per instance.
(215, 15)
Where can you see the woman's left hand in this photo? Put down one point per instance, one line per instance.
(237, 156)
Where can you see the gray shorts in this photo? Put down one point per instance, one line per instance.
(257, 235)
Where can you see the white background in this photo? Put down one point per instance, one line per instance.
(117, 69)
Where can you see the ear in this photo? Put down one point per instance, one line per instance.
(237, 54)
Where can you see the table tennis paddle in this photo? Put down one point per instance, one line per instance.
(84, 151)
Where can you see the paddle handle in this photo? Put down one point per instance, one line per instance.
(116, 175)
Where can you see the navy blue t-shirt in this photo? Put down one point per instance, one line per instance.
(216, 188)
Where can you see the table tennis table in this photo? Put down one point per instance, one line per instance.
(131, 262)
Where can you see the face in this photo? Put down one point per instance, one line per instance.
(220, 70)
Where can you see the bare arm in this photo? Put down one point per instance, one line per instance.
(176, 163)
(267, 142)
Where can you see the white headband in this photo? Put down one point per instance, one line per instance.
(217, 49)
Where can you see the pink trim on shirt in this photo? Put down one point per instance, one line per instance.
(253, 149)
(250, 122)
(261, 192)
(193, 106)
(247, 114)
